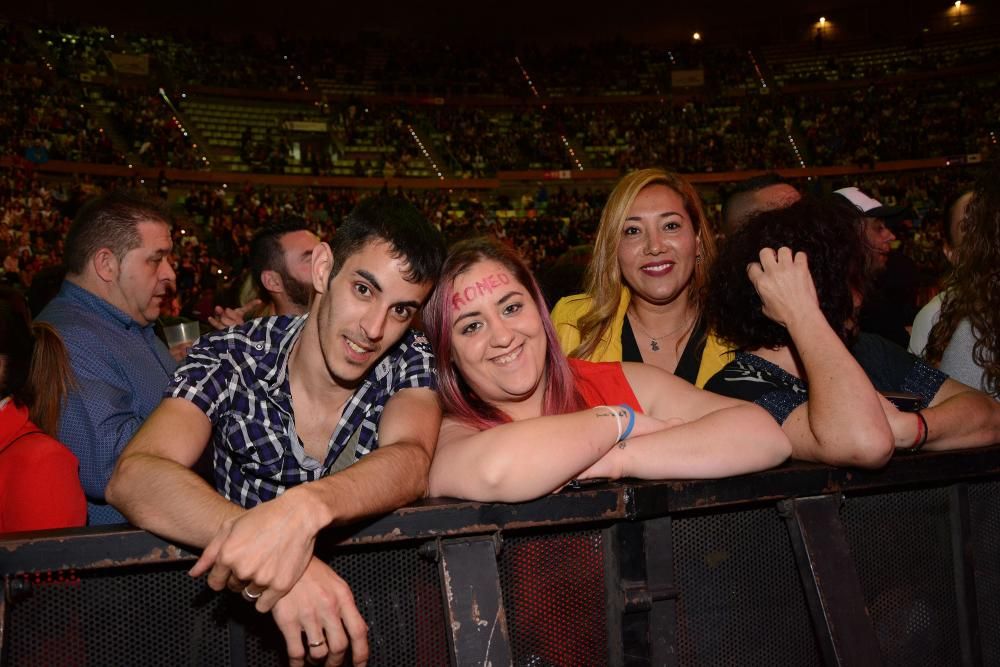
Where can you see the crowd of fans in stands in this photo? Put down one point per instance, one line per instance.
(721, 126)
(876, 124)
(214, 224)
(152, 132)
(44, 120)
(862, 62)
(479, 142)
(693, 137)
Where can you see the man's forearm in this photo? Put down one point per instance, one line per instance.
(168, 499)
(381, 482)
(967, 419)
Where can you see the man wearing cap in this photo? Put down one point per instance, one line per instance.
(890, 303)
(878, 236)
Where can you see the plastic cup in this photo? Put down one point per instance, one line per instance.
(185, 332)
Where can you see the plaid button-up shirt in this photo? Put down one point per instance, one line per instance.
(239, 379)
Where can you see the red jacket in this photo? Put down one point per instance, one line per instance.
(39, 478)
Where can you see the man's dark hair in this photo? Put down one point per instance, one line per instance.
(751, 185)
(266, 253)
(399, 223)
(111, 221)
(829, 232)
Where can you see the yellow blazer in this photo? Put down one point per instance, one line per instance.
(570, 309)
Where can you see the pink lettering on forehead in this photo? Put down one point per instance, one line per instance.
(481, 288)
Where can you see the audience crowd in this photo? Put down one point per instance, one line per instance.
(215, 223)
(45, 120)
(879, 123)
(694, 137)
(890, 59)
(152, 133)
(728, 123)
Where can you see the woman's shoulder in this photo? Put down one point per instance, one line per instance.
(569, 309)
(37, 448)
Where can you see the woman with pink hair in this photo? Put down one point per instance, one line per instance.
(521, 420)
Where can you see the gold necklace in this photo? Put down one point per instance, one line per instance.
(654, 341)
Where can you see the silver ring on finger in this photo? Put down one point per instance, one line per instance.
(317, 643)
(249, 596)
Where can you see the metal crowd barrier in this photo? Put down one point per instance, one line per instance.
(800, 565)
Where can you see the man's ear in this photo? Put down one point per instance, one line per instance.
(322, 266)
(271, 280)
(105, 265)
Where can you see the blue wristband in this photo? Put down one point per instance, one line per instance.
(631, 421)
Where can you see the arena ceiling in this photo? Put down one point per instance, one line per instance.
(664, 22)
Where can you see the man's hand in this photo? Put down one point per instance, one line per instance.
(784, 284)
(179, 351)
(266, 548)
(231, 317)
(321, 606)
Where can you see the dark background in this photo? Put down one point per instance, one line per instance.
(483, 21)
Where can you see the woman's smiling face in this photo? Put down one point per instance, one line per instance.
(498, 340)
(659, 246)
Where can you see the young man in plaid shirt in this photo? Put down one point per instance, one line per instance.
(315, 421)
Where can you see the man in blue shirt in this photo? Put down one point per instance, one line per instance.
(317, 420)
(117, 273)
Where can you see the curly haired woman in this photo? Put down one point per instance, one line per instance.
(965, 341)
(785, 293)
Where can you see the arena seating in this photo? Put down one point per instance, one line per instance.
(862, 59)
(427, 110)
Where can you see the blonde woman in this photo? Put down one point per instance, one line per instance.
(646, 282)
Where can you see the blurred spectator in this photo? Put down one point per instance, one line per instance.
(762, 193)
(890, 300)
(118, 271)
(928, 315)
(39, 484)
(964, 341)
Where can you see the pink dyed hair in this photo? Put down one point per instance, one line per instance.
(457, 398)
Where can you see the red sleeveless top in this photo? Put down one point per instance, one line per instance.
(603, 383)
